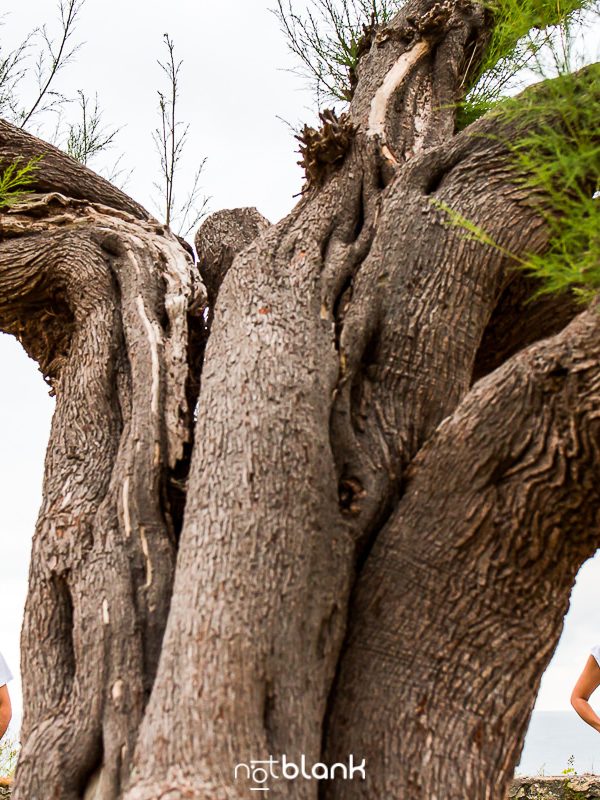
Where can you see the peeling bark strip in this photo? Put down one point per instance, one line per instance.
(391, 84)
(363, 527)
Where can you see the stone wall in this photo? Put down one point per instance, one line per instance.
(565, 787)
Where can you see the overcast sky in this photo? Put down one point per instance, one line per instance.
(234, 87)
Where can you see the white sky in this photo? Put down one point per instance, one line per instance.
(234, 86)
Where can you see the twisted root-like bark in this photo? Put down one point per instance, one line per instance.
(104, 549)
(460, 604)
(348, 332)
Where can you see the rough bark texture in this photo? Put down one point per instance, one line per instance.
(220, 238)
(500, 508)
(99, 298)
(357, 527)
(581, 787)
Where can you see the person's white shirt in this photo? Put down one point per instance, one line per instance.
(5, 673)
(596, 653)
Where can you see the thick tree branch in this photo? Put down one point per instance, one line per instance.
(413, 76)
(220, 238)
(500, 510)
(59, 172)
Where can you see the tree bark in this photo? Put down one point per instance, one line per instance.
(460, 604)
(99, 298)
(334, 560)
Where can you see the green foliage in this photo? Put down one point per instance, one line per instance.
(555, 152)
(515, 19)
(554, 143)
(558, 154)
(328, 40)
(471, 232)
(527, 34)
(15, 180)
(9, 752)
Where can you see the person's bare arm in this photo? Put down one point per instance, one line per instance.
(6, 710)
(589, 680)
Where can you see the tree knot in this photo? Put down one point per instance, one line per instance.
(435, 21)
(323, 150)
(351, 492)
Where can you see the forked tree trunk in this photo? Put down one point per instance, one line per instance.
(355, 546)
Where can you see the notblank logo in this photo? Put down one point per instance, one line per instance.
(262, 772)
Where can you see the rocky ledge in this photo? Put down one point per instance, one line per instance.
(563, 787)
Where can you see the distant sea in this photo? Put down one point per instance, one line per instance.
(553, 737)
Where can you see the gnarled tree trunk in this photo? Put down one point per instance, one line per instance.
(344, 515)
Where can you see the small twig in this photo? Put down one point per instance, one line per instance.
(89, 137)
(69, 10)
(326, 40)
(170, 139)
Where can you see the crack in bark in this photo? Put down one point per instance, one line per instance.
(517, 321)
